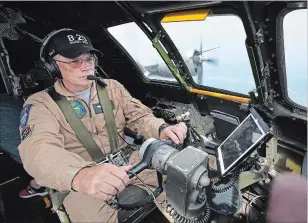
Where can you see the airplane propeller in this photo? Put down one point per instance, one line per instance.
(197, 57)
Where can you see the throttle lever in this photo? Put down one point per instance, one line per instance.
(137, 169)
(147, 152)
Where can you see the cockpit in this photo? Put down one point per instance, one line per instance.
(230, 71)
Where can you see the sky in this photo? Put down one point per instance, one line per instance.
(295, 44)
(232, 71)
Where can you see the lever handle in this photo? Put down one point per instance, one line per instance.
(137, 169)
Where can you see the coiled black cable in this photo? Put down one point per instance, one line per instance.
(224, 187)
(176, 216)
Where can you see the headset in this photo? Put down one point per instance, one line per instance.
(49, 64)
(46, 62)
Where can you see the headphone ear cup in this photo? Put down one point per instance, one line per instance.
(44, 72)
(54, 69)
(49, 69)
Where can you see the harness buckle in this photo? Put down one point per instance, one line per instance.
(119, 158)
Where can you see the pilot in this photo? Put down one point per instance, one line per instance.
(53, 154)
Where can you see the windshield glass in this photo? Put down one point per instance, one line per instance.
(224, 61)
(295, 48)
(140, 48)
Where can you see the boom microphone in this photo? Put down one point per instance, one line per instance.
(99, 79)
(92, 77)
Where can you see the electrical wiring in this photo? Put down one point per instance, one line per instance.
(250, 203)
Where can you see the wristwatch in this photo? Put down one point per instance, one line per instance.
(162, 127)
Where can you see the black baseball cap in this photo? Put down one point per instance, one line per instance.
(70, 44)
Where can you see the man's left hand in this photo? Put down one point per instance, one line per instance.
(177, 133)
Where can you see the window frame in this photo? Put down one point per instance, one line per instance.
(281, 60)
(154, 23)
(220, 12)
(132, 60)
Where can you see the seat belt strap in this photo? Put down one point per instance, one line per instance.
(109, 116)
(78, 127)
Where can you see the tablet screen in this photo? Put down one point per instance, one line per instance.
(239, 143)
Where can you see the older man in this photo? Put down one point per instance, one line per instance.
(53, 154)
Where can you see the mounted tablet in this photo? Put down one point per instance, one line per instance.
(246, 138)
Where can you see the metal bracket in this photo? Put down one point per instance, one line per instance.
(266, 70)
(259, 37)
(57, 199)
(17, 90)
(244, 107)
(271, 150)
(158, 37)
(265, 84)
(250, 177)
(5, 77)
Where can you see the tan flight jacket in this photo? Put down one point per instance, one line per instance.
(51, 152)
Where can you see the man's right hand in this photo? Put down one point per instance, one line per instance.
(102, 181)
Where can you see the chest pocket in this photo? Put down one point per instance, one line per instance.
(99, 117)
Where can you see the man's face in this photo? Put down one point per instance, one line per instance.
(75, 73)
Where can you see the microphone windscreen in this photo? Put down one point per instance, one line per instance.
(91, 77)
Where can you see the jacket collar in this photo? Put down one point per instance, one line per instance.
(62, 90)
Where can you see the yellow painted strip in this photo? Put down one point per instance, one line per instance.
(8, 181)
(219, 95)
(47, 202)
(195, 15)
(294, 166)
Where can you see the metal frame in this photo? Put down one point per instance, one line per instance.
(281, 65)
(168, 42)
(156, 39)
(263, 129)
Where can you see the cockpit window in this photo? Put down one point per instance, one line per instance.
(295, 48)
(214, 51)
(140, 48)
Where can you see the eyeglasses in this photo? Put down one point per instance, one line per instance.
(77, 63)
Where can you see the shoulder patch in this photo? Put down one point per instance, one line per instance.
(24, 115)
(26, 132)
(78, 108)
